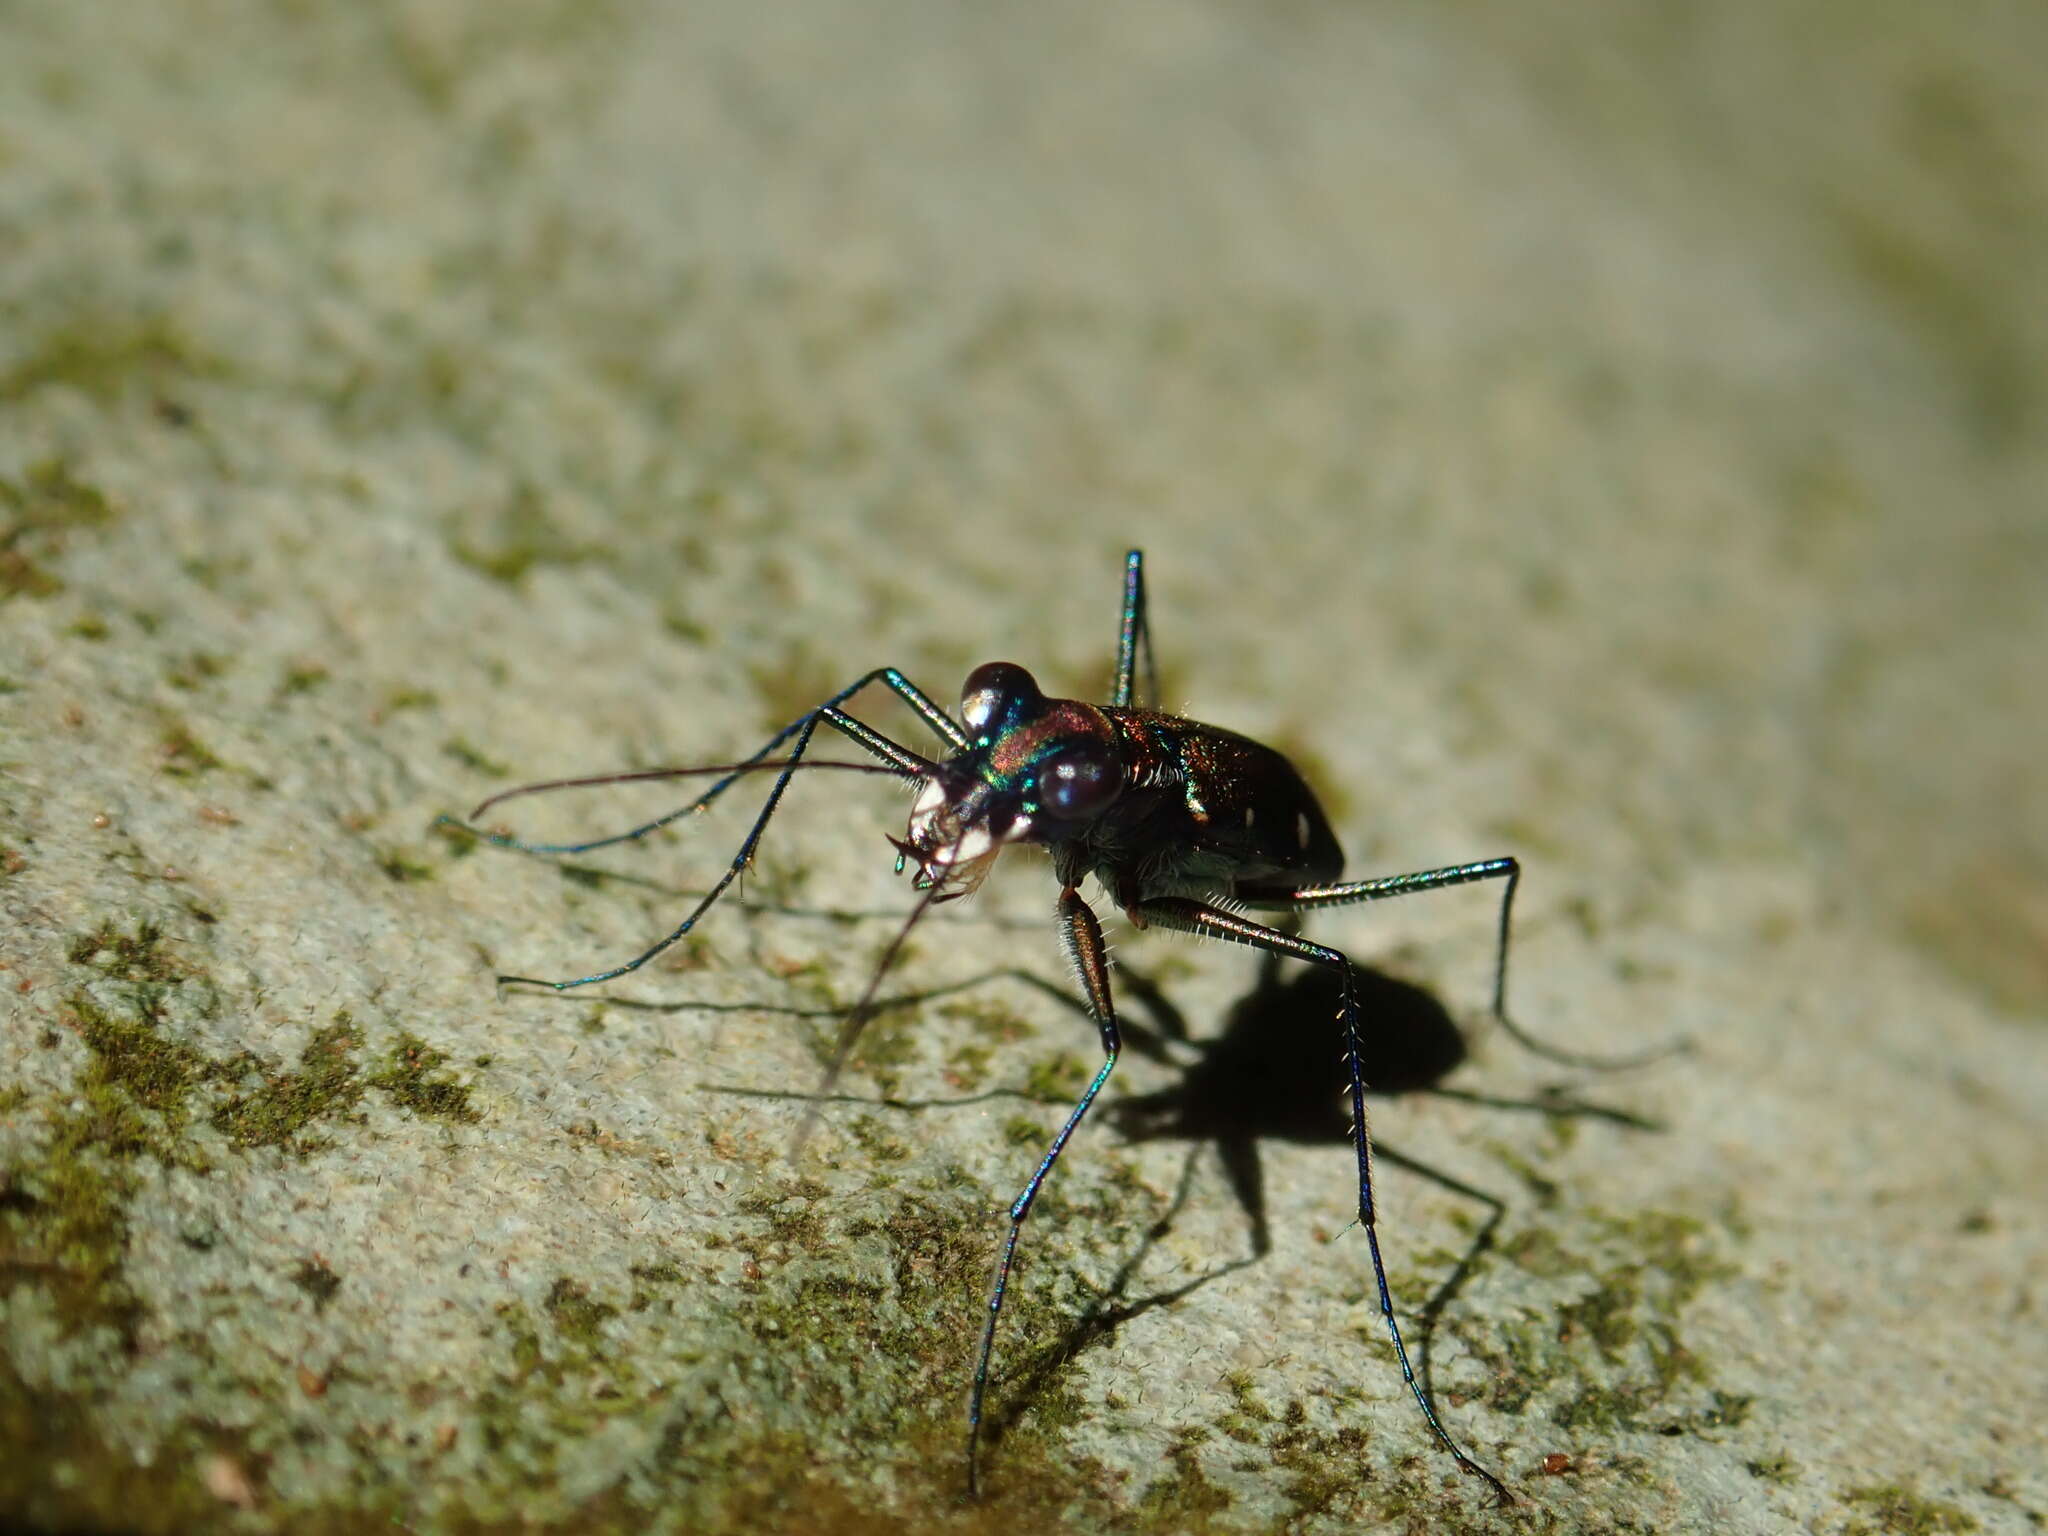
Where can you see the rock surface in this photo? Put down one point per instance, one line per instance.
(1607, 436)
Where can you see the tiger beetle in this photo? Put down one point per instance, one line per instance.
(1184, 826)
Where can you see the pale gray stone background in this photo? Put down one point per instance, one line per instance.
(1603, 433)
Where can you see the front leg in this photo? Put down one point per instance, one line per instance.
(829, 712)
(898, 759)
(1090, 956)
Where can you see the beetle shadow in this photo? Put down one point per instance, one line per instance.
(1274, 1074)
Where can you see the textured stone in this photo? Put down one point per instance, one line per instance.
(1607, 436)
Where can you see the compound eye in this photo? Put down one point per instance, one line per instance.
(993, 690)
(1079, 782)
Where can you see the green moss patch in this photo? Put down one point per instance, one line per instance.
(138, 1095)
(1609, 1356)
(577, 1318)
(64, 1211)
(138, 957)
(38, 513)
(104, 354)
(283, 1106)
(1185, 1498)
(183, 755)
(61, 1473)
(193, 670)
(317, 1280)
(520, 537)
(477, 762)
(400, 865)
(134, 1069)
(303, 677)
(412, 1075)
(1897, 1510)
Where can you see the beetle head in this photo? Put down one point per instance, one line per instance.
(1035, 770)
